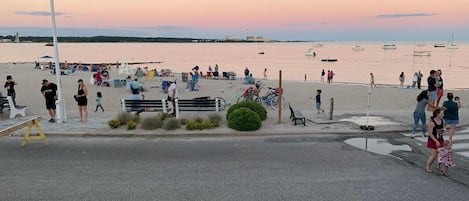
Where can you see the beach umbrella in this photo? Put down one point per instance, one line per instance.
(46, 57)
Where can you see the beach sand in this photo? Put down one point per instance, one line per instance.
(394, 104)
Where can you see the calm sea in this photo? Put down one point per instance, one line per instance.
(351, 67)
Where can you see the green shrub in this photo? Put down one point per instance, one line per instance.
(199, 124)
(215, 119)
(151, 123)
(254, 106)
(244, 119)
(132, 125)
(171, 123)
(124, 118)
(114, 123)
(183, 121)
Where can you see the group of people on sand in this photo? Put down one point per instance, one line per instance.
(330, 76)
(443, 120)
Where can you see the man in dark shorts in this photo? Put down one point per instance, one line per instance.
(49, 91)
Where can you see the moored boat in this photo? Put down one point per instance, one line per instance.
(358, 48)
(389, 46)
(439, 45)
(422, 53)
(329, 60)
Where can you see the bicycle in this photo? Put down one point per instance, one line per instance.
(235, 97)
(271, 98)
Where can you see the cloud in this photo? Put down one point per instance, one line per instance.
(41, 13)
(402, 15)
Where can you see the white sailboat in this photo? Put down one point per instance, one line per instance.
(310, 53)
(451, 45)
(389, 46)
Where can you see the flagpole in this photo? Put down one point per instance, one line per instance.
(60, 115)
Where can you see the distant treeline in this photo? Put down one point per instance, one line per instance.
(105, 39)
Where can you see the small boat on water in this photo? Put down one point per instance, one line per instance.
(452, 45)
(310, 53)
(261, 53)
(389, 47)
(422, 53)
(358, 48)
(439, 45)
(49, 44)
(329, 60)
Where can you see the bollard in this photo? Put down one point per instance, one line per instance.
(331, 112)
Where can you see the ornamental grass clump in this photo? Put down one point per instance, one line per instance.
(124, 118)
(215, 119)
(132, 125)
(199, 124)
(114, 123)
(171, 123)
(244, 119)
(151, 123)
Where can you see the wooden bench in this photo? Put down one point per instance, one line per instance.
(12, 125)
(296, 116)
(198, 104)
(139, 106)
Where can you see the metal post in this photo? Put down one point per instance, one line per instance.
(331, 112)
(368, 108)
(280, 97)
(61, 115)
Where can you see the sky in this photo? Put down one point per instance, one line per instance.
(312, 20)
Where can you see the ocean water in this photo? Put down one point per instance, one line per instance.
(351, 67)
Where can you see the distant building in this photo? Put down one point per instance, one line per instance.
(232, 38)
(257, 39)
(5, 40)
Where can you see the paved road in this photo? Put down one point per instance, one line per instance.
(260, 168)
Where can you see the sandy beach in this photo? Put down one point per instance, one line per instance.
(391, 102)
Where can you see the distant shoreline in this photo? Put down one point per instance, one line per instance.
(124, 39)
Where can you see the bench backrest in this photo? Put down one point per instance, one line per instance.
(147, 105)
(3, 102)
(197, 105)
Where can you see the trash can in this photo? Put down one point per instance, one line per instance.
(184, 77)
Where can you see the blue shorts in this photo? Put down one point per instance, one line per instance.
(432, 95)
(451, 122)
(318, 106)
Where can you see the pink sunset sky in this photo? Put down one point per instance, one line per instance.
(275, 19)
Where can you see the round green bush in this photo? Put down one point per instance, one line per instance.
(253, 105)
(124, 117)
(244, 119)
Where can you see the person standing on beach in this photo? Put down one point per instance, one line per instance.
(82, 101)
(419, 113)
(306, 77)
(318, 101)
(246, 73)
(451, 116)
(419, 79)
(265, 73)
(49, 91)
(10, 86)
(99, 101)
(439, 89)
(414, 79)
(401, 80)
(432, 86)
(436, 128)
(323, 73)
(328, 76)
(173, 95)
(372, 81)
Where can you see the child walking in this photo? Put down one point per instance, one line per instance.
(99, 97)
(445, 157)
(318, 101)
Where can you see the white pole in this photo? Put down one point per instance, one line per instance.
(368, 108)
(61, 116)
